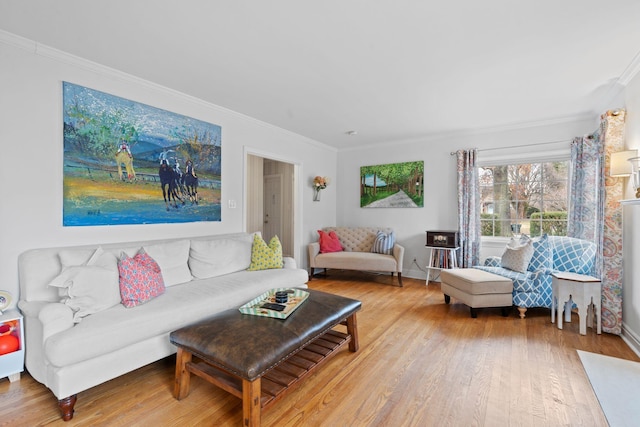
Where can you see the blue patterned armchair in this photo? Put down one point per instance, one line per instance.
(550, 254)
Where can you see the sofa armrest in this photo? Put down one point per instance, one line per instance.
(542, 280)
(53, 317)
(288, 262)
(314, 250)
(398, 254)
(493, 261)
(32, 308)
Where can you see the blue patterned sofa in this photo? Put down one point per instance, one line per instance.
(551, 253)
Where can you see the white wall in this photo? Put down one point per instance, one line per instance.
(31, 78)
(631, 224)
(440, 210)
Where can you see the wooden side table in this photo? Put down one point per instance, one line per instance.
(12, 364)
(584, 291)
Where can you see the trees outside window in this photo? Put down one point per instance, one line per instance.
(524, 198)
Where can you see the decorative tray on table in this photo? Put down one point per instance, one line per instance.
(256, 306)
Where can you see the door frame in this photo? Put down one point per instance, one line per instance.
(296, 202)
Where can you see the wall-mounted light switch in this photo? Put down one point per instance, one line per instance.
(232, 204)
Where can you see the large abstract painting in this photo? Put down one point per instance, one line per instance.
(130, 163)
(393, 185)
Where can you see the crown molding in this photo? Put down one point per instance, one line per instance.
(614, 95)
(631, 71)
(444, 136)
(57, 55)
(17, 41)
(64, 57)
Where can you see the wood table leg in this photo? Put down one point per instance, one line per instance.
(352, 329)
(183, 376)
(251, 402)
(66, 406)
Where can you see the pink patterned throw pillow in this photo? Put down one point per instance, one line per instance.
(140, 279)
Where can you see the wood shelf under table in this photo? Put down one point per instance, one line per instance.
(281, 378)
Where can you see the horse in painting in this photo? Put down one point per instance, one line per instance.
(190, 180)
(191, 184)
(123, 158)
(169, 185)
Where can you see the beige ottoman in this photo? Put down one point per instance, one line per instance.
(477, 289)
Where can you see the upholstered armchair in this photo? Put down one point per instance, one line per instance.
(550, 253)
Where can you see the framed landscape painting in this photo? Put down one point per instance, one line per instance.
(130, 163)
(393, 185)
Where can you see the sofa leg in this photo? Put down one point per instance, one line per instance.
(474, 312)
(505, 311)
(447, 299)
(522, 310)
(312, 271)
(399, 278)
(66, 406)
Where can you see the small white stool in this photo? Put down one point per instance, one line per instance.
(584, 291)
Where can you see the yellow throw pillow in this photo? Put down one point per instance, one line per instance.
(264, 257)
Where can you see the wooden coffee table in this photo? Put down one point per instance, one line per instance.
(259, 359)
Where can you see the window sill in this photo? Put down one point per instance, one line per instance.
(494, 242)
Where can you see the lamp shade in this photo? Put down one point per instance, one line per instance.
(619, 163)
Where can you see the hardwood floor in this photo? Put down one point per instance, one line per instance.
(420, 363)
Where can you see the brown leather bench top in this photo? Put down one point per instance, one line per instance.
(248, 345)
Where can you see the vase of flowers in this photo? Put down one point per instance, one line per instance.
(319, 183)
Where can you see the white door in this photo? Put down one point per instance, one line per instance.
(272, 207)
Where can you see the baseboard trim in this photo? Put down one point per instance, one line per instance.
(414, 273)
(631, 338)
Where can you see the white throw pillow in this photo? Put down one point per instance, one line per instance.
(90, 287)
(212, 258)
(69, 257)
(173, 260)
(517, 255)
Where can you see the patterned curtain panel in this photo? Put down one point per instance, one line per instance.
(613, 131)
(595, 212)
(586, 204)
(468, 208)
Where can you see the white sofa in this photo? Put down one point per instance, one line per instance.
(69, 357)
(356, 254)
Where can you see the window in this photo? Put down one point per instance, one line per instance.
(526, 198)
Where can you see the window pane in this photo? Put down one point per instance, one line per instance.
(529, 198)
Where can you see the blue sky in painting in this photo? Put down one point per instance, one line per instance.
(153, 124)
(368, 181)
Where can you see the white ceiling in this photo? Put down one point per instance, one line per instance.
(390, 69)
